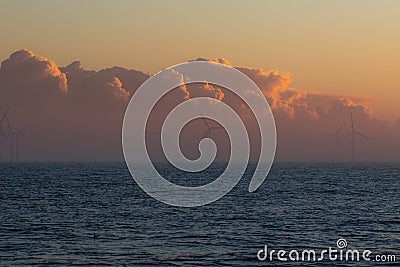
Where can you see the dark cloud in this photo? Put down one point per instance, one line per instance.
(75, 114)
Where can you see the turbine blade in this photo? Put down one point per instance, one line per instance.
(4, 117)
(3, 134)
(360, 134)
(340, 128)
(352, 122)
(204, 120)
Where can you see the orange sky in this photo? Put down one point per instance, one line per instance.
(342, 47)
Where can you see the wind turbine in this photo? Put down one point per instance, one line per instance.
(336, 135)
(210, 128)
(13, 146)
(3, 135)
(353, 134)
(3, 138)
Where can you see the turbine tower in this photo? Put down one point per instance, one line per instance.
(353, 134)
(3, 136)
(13, 141)
(209, 130)
(336, 135)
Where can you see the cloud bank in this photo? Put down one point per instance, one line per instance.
(73, 114)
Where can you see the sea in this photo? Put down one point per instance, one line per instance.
(66, 214)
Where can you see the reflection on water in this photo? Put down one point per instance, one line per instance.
(68, 213)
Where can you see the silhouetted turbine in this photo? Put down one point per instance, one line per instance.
(353, 134)
(3, 136)
(210, 128)
(336, 135)
(13, 136)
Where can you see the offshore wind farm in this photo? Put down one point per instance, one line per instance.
(9, 139)
(106, 158)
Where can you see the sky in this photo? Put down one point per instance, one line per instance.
(335, 48)
(346, 47)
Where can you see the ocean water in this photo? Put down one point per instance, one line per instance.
(95, 214)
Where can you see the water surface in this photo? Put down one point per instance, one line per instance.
(95, 214)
